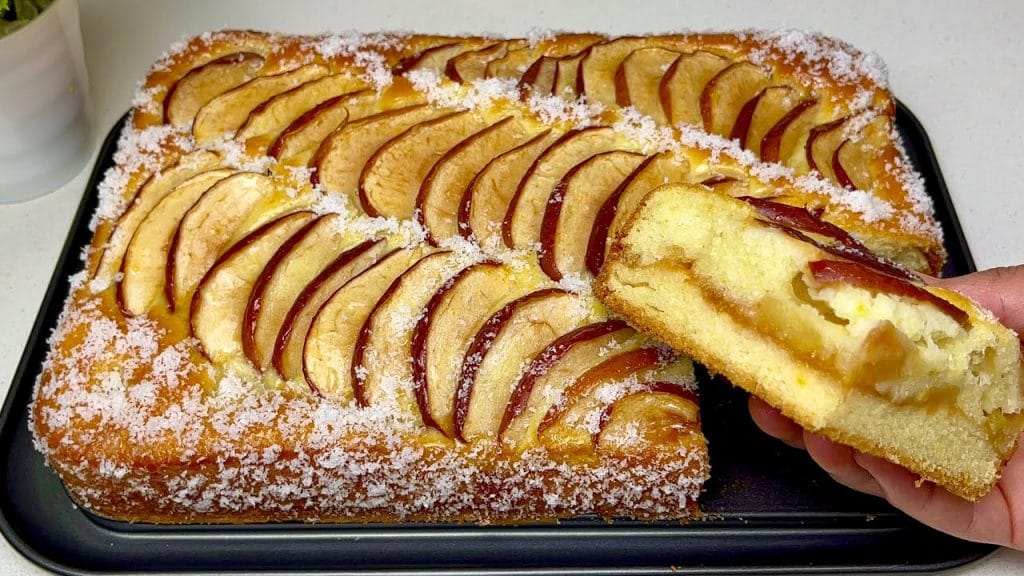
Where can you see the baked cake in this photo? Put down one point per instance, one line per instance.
(801, 314)
(348, 277)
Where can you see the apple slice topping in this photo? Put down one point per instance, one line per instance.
(822, 142)
(340, 159)
(513, 64)
(436, 57)
(791, 219)
(559, 363)
(521, 225)
(268, 119)
(683, 83)
(506, 342)
(298, 142)
(207, 228)
(218, 305)
(299, 260)
(472, 65)
(638, 78)
(391, 180)
(223, 115)
(539, 78)
(771, 105)
(381, 364)
(203, 83)
(863, 276)
(852, 162)
(659, 414)
(452, 316)
(144, 266)
(596, 77)
(443, 188)
(570, 424)
(611, 217)
(726, 93)
(291, 338)
(781, 141)
(567, 72)
(572, 208)
(488, 196)
(331, 341)
(152, 191)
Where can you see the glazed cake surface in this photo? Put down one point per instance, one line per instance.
(348, 277)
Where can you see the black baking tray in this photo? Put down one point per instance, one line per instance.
(771, 510)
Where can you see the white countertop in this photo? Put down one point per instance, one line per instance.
(958, 66)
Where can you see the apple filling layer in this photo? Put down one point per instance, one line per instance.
(696, 267)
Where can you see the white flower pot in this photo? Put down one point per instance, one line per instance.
(45, 113)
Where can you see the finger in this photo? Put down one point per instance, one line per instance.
(838, 460)
(988, 520)
(773, 423)
(1001, 290)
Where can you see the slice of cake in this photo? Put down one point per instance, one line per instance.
(847, 344)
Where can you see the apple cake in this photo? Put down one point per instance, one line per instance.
(860, 350)
(348, 277)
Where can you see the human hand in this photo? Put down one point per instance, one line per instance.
(998, 518)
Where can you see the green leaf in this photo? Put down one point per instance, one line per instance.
(25, 9)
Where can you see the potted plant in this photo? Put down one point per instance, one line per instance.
(16, 13)
(45, 116)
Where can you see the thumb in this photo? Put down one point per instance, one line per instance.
(1001, 290)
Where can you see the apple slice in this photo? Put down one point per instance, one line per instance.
(572, 208)
(452, 316)
(567, 70)
(860, 275)
(330, 343)
(662, 414)
(223, 115)
(392, 177)
(218, 305)
(611, 217)
(297, 143)
(488, 196)
(144, 266)
(268, 119)
(638, 78)
(340, 159)
(301, 259)
(551, 370)
(596, 77)
(726, 93)
(207, 81)
(775, 106)
(381, 363)
(521, 225)
(506, 343)
(437, 203)
(822, 142)
(152, 191)
(206, 230)
(436, 58)
(539, 78)
(516, 62)
(785, 140)
(569, 425)
(684, 82)
(472, 64)
(291, 338)
(856, 161)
